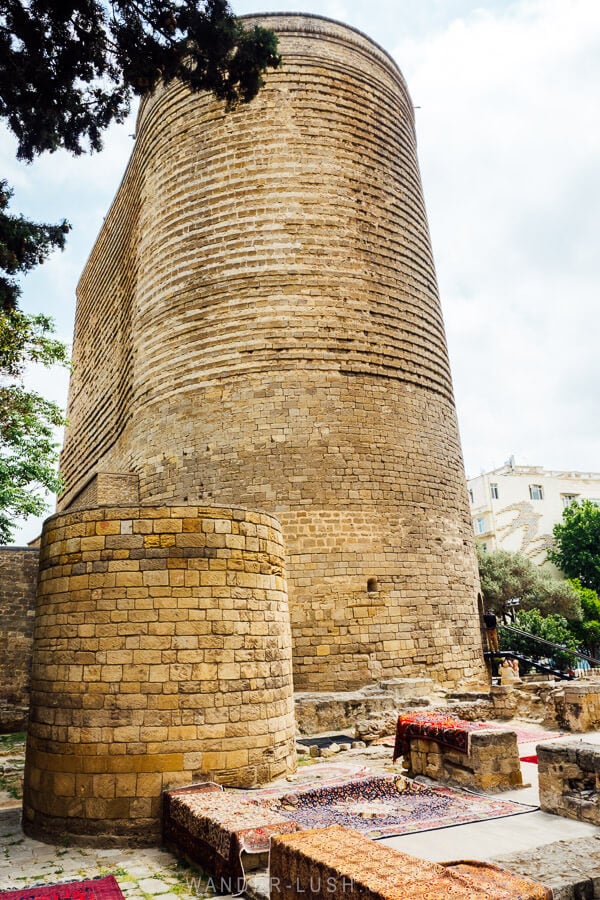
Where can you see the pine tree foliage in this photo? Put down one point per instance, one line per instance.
(68, 68)
(23, 245)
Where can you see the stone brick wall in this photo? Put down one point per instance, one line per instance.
(18, 577)
(492, 763)
(570, 705)
(278, 344)
(162, 655)
(569, 780)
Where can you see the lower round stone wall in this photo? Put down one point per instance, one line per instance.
(162, 656)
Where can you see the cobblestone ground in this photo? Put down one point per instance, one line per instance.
(141, 874)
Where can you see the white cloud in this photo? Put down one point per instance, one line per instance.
(509, 142)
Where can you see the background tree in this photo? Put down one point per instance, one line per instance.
(28, 447)
(67, 71)
(577, 543)
(505, 576)
(588, 630)
(553, 628)
(23, 245)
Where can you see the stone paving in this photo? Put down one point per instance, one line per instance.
(142, 874)
(571, 867)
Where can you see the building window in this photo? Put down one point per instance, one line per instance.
(471, 494)
(480, 525)
(536, 492)
(494, 491)
(567, 499)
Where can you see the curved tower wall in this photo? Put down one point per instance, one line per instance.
(162, 656)
(259, 325)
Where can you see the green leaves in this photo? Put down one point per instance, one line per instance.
(553, 628)
(26, 339)
(505, 576)
(588, 630)
(28, 446)
(577, 543)
(23, 245)
(68, 70)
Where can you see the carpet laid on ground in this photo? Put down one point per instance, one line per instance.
(383, 806)
(94, 889)
(316, 775)
(526, 735)
(213, 827)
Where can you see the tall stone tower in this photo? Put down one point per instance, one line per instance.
(261, 413)
(258, 325)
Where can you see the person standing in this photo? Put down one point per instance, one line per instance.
(491, 628)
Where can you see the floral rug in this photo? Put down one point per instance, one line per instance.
(316, 775)
(383, 806)
(93, 889)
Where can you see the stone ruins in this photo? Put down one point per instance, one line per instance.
(263, 471)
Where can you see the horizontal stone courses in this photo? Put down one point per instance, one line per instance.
(167, 684)
(285, 326)
(325, 48)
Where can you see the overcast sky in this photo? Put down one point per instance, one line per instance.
(508, 128)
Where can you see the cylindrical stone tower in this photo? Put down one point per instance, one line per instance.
(162, 656)
(258, 325)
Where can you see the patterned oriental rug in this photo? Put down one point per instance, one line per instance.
(439, 727)
(214, 828)
(94, 889)
(526, 735)
(384, 806)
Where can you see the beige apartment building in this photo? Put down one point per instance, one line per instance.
(515, 507)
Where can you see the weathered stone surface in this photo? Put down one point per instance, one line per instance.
(569, 780)
(492, 763)
(144, 678)
(18, 578)
(258, 325)
(570, 868)
(568, 705)
(578, 706)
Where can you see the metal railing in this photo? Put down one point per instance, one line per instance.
(560, 647)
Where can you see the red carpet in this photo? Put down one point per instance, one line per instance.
(94, 889)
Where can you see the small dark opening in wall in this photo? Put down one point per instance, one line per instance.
(372, 585)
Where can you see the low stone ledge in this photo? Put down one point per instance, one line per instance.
(578, 707)
(492, 763)
(569, 780)
(571, 868)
